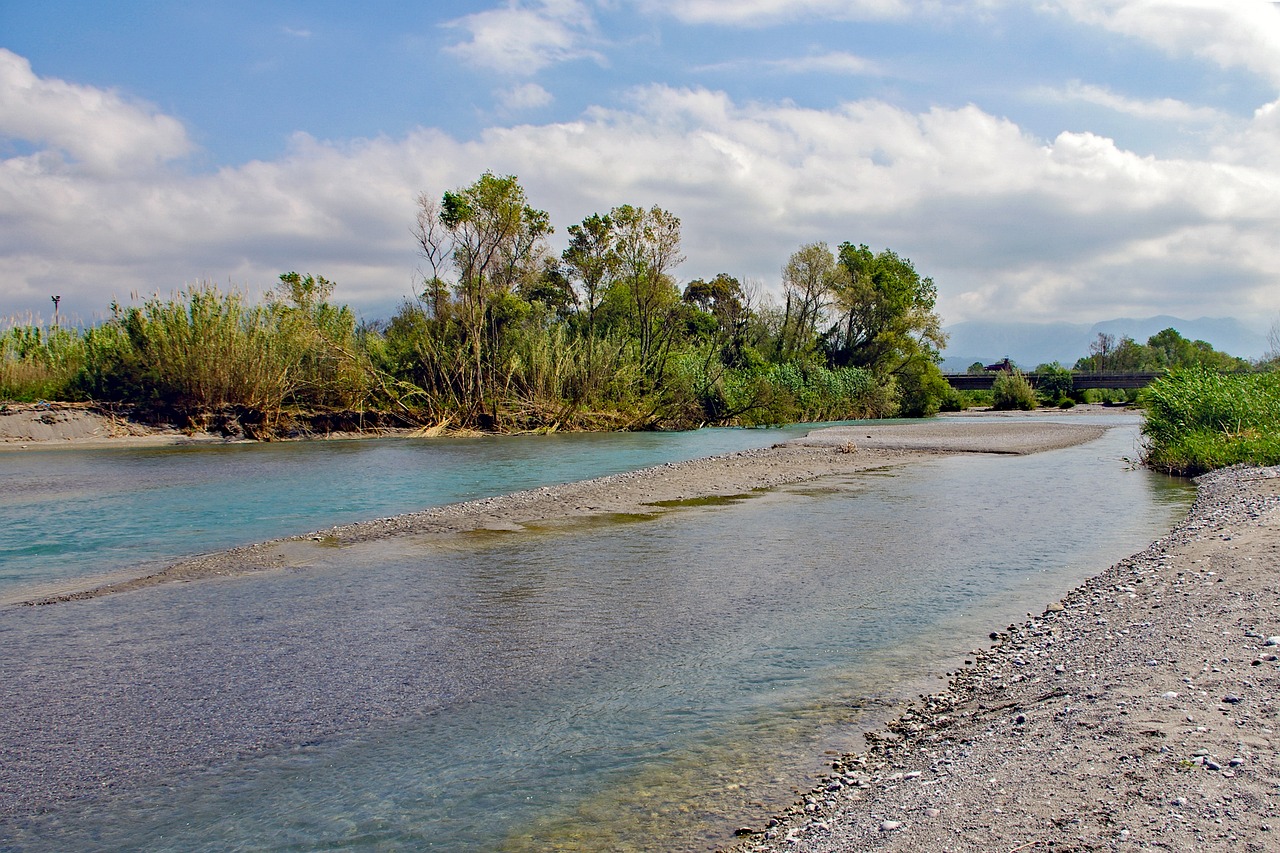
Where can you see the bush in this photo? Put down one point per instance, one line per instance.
(1198, 420)
(1011, 391)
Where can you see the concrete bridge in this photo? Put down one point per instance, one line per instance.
(1079, 381)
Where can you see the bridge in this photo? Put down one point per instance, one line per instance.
(1079, 381)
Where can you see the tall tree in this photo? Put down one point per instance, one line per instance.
(647, 247)
(590, 259)
(887, 315)
(488, 234)
(809, 278)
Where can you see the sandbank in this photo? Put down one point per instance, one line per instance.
(824, 452)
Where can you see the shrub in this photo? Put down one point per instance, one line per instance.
(1012, 390)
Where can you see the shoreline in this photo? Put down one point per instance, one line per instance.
(1139, 712)
(830, 451)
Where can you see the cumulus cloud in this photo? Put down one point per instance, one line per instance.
(94, 129)
(523, 38)
(1243, 34)
(1070, 228)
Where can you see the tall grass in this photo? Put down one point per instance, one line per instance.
(1198, 420)
(38, 363)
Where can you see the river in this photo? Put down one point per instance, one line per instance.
(641, 684)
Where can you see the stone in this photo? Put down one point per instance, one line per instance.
(890, 825)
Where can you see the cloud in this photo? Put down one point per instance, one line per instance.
(297, 32)
(761, 12)
(1164, 109)
(1241, 34)
(99, 130)
(835, 62)
(529, 96)
(1007, 223)
(524, 38)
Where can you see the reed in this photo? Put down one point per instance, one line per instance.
(1198, 420)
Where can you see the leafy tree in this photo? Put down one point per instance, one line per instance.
(647, 247)
(590, 259)
(486, 234)
(809, 278)
(1053, 381)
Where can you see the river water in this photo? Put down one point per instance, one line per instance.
(70, 513)
(638, 683)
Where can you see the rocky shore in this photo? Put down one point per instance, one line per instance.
(1139, 713)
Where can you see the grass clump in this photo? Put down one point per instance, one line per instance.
(1199, 420)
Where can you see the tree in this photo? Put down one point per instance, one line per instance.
(809, 278)
(486, 234)
(590, 259)
(646, 246)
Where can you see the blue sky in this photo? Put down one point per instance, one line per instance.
(1052, 160)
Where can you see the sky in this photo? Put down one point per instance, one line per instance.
(1041, 160)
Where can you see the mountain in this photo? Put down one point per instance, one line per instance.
(1031, 344)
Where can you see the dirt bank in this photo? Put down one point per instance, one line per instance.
(1140, 713)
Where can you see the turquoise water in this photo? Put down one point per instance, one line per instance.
(67, 513)
(641, 685)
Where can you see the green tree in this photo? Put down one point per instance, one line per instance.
(809, 278)
(591, 260)
(647, 247)
(487, 236)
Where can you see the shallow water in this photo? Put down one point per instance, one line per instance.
(647, 684)
(68, 513)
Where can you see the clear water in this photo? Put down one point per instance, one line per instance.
(642, 684)
(67, 514)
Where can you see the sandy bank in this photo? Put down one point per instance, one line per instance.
(826, 452)
(1140, 713)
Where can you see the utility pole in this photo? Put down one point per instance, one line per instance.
(56, 300)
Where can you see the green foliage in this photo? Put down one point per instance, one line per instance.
(1053, 382)
(506, 335)
(1198, 420)
(1165, 350)
(1012, 390)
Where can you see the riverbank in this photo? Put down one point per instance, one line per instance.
(1138, 713)
(825, 452)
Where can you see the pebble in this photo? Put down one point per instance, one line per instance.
(1272, 641)
(890, 825)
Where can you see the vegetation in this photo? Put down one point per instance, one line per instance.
(506, 335)
(1012, 390)
(1199, 419)
(1165, 350)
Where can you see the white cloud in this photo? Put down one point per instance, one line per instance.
(1163, 109)
(760, 12)
(528, 96)
(834, 62)
(98, 129)
(522, 38)
(1230, 33)
(1074, 228)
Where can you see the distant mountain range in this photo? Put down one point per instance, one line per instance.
(1032, 344)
